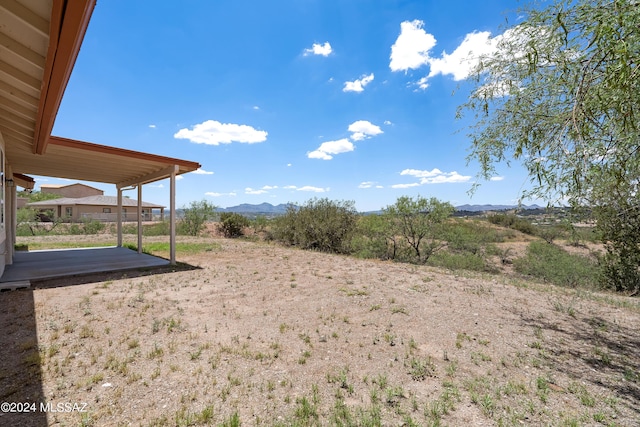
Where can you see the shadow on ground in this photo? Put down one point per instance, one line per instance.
(21, 353)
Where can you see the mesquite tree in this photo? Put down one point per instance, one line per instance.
(561, 94)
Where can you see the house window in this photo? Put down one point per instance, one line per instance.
(106, 210)
(68, 211)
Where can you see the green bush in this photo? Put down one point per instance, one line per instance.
(157, 229)
(555, 265)
(374, 238)
(232, 224)
(319, 224)
(512, 221)
(195, 217)
(459, 261)
(92, 226)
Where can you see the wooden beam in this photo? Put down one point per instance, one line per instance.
(139, 219)
(155, 176)
(172, 219)
(69, 21)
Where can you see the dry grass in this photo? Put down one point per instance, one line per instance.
(265, 335)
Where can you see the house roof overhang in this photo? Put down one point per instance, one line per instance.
(39, 43)
(79, 160)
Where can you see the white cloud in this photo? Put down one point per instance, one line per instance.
(306, 188)
(269, 187)
(388, 123)
(496, 178)
(369, 184)
(413, 184)
(250, 190)
(152, 126)
(255, 107)
(212, 132)
(411, 48)
(212, 194)
(201, 171)
(362, 129)
(465, 57)
(319, 49)
(435, 176)
(313, 189)
(423, 83)
(358, 84)
(328, 148)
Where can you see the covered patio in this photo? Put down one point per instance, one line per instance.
(53, 264)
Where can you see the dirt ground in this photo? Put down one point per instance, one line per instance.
(254, 333)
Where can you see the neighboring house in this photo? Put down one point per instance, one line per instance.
(75, 190)
(101, 208)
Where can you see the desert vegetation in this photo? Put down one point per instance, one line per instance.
(248, 331)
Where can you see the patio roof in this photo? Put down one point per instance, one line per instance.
(79, 160)
(39, 43)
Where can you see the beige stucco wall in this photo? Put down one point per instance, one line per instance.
(74, 191)
(80, 212)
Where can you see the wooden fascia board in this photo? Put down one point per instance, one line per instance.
(24, 181)
(114, 151)
(68, 25)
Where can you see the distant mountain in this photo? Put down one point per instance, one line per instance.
(484, 208)
(269, 209)
(262, 208)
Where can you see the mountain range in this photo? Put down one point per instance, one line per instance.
(269, 209)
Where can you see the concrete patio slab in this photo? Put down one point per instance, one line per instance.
(50, 264)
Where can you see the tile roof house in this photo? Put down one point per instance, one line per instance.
(100, 208)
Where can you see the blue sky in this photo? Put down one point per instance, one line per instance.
(287, 100)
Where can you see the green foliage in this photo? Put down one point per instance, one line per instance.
(232, 224)
(374, 238)
(38, 196)
(319, 224)
(561, 95)
(416, 221)
(512, 221)
(195, 217)
(460, 261)
(553, 264)
(619, 229)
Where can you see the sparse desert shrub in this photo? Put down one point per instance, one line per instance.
(157, 229)
(553, 264)
(460, 261)
(195, 217)
(319, 224)
(512, 221)
(232, 224)
(374, 238)
(92, 226)
(418, 221)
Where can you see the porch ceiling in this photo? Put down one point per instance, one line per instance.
(39, 43)
(78, 160)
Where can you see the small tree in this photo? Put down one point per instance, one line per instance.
(416, 220)
(195, 217)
